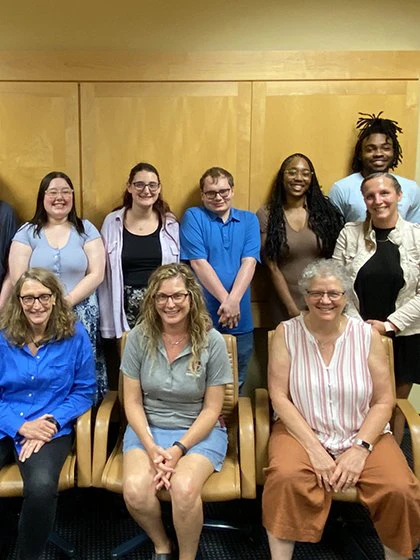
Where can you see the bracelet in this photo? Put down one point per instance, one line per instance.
(181, 446)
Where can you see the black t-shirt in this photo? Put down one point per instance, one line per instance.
(379, 280)
(141, 255)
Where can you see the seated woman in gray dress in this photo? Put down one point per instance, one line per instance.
(175, 368)
(57, 239)
(47, 380)
(297, 226)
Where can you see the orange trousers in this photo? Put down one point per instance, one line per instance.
(295, 508)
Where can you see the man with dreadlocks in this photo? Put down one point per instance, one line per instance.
(377, 150)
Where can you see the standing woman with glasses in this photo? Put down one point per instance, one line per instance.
(55, 238)
(298, 225)
(139, 236)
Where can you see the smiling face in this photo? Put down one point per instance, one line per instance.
(297, 178)
(144, 196)
(217, 196)
(36, 313)
(377, 154)
(325, 298)
(174, 314)
(58, 199)
(381, 199)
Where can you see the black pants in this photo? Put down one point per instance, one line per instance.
(40, 474)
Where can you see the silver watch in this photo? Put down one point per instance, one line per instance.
(364, 444)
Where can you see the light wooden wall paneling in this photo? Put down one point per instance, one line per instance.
(131, 65)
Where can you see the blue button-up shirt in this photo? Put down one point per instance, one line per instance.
(58, 380)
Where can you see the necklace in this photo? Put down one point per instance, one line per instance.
(174, 342)
(331, 340)
(37, 344)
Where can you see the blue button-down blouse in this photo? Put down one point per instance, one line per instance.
(59, 380)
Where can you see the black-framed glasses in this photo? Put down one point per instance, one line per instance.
(140, 186)
(333, 295)
(178, 297)
(211, 195)
(305, 173)
(28, 301)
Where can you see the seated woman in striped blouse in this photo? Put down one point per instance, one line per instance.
(330, 388)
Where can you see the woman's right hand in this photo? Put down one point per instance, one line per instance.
(41, 428)
(323, 465)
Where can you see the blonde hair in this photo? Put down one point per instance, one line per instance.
(199, 319)
(13, 321)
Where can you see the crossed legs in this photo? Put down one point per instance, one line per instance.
(192, 471)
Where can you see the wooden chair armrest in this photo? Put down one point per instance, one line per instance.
(413, 421)
(246, 448)
(262, 432)
(100, 438)
(84, 449)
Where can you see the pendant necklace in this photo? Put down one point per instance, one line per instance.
(174, 342)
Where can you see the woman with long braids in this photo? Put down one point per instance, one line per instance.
(297, 226)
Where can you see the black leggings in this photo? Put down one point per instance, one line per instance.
(40, 475)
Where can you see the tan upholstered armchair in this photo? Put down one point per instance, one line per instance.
(76, 471)
(263, 423)
(235, 480)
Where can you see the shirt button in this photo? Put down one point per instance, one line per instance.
(37, 357)
(32, 377)
(21, 414)
(29, 394)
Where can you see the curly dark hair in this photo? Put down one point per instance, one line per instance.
(324, 219)
(373, 124)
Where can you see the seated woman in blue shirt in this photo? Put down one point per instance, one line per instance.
(47, 380)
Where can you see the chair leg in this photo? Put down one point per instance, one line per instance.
(121, 550)
(68, 549)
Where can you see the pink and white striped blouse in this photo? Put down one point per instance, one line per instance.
(333, 399)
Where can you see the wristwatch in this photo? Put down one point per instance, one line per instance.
(364, 444)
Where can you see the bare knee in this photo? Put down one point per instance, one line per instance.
(138, 492)
(185, 493)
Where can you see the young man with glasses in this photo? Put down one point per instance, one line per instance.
(222, 245)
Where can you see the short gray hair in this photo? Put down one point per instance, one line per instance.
(323, 268)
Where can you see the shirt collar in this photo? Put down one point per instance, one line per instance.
(233, 216)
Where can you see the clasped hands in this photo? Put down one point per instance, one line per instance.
(35, 433)
(229, 313)
(343, 472)
(164, 462)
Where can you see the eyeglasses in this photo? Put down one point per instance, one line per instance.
(211, 195)
(305, 173)
(178, 297)
(65, 193)
(333, 296)
(28, 301)
(140, 186)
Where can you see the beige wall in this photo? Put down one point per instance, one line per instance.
(204, 25)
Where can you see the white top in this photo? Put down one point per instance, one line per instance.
(335, 399)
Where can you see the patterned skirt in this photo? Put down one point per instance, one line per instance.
(133, 302)
(87, 312)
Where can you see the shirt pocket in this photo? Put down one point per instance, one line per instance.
(59, 377)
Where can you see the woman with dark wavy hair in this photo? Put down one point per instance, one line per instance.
(47, 380)
(297, 226)
(57, 239)
(139, 236)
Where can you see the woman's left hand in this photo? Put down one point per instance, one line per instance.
(162, 478)
(349, 467)
(30, 446)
